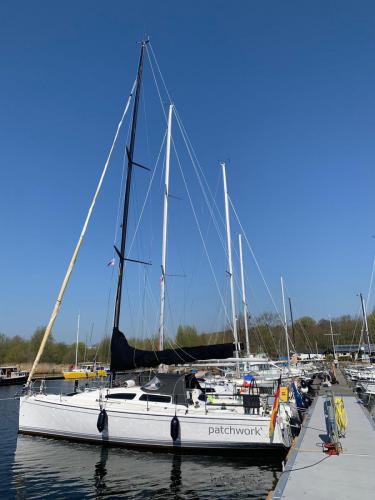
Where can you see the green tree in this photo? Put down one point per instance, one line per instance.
(371, 325)
(187, 336)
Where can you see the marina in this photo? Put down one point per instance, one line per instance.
(188, 257)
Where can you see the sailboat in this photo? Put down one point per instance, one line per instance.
(171, 410)
(84, 370)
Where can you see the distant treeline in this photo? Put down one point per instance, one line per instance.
(20, 350)
(266, 336)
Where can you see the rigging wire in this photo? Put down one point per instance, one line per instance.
(195, 163)
(187, 189)
(204, 188)
(116, 228)
(145, 203)
(236, 279)
(359, 311)
(137, 225)
(200, 232)
(197, 268)
(256, 261)
(356, 326)
(146, 197)
(143, 307)
(297, 321)
(73, 259)
(218, 231)
(370, 286)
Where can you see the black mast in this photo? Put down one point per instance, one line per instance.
(291, 318)
(130, 152)
(124, 356)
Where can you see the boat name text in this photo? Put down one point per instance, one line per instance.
(229, 430)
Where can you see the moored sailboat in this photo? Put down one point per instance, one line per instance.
(171, 410)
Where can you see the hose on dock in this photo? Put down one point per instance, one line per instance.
(341, 417)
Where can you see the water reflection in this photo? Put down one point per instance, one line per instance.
(45, 467)
(101, 470)
(175, 480)
(35, 467)
(8, 436)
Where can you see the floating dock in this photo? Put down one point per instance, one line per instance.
(310, 473)
(48, 376)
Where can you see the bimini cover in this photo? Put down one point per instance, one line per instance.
(168, 384)
(126, 357)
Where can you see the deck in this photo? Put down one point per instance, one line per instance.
(311, 474)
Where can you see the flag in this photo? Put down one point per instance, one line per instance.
(275, 410)
(111, 263)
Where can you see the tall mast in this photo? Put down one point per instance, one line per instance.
(68, 273)
(76, 365)
(244, 303)
(291, 319)
(165, 223)
(366, 324)
(332, 338)
(130, 153)
(230, 264)
(285, 322)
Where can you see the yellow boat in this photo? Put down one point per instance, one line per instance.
(86, 371)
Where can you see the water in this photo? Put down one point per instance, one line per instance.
(35, 467)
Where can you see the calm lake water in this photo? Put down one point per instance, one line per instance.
(34, 467)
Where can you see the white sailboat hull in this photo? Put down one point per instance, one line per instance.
(55, 416)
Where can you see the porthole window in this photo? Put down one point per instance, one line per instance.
(121, 395)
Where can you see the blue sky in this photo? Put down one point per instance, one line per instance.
(283, 91)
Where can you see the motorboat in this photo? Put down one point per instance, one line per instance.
(12, 375)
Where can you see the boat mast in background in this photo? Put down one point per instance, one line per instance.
(285, 322)
(124, 226)
(165, 224)
(364, 312)
(244, 303)
(230, 264)
(76, 364)
(291, 320)
(332, 337)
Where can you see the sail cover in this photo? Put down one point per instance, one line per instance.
(126, 357)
